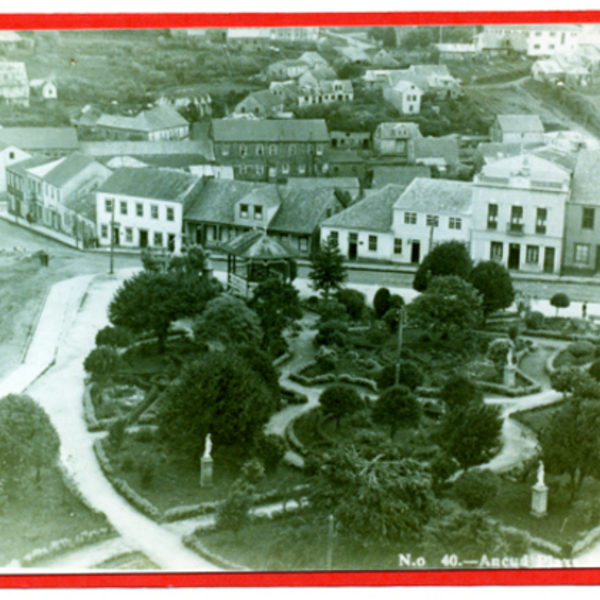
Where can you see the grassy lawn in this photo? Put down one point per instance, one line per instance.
(537, 418)
(40, 514)
(168, 479)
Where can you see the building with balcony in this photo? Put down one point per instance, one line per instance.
(519, 213)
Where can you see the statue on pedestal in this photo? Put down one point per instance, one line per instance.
(206, 464)
(540, 474)
(207, 447)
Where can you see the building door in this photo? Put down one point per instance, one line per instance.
(353, 246)
(514, 256)
(171, 242)
(117, 236)
(415, 252)
(549, 260)
(143, 238)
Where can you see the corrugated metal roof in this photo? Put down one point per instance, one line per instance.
(437, 196)
(41, 138)
(586, 178)
(520, 123)
(68, 168)
(157, 119)
(292, 130)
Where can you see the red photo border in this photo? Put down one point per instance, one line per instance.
(567, 576)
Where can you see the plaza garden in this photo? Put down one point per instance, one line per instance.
(344, 433)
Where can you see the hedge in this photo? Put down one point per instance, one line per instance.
(332, 378)
(89, 414)
(193, 543)
(292, 439)
(289, 354)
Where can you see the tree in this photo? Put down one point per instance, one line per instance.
(446, 259)
(471, 433)
(476, 487)
(270, 449)
(570, 444)
(234, 513)
(117, 337)
(449, 306)
(381, 302)
(377, 497)
(398, 408)
(353, 300)
(560, 300)
(227, 319)
(339, 400)
(493, 281)
(218, 394)
(411, 375)
(327, 268)
(102, 362)
(277, 305)
(459, 391)
(28, 439)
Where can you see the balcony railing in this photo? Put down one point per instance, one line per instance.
(515, 228)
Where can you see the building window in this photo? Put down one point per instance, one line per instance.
(285, 168)
(397, 246)
(260, 170)
(243, 150)
(454, 223)
(292, 149)
(540, 220)
(158, 238)
(104, 231)
(432, 221)
(582, 253)
(123, 207)
(258, 213)
(272, 150)
(492, 220)
(516, 218)
(334, 236)
(154, 211)
(410, 218)
(587, 218)
(373, 243)
(244, 211)
(243, 169)
(11, 155)
(260, 150)
(170, 214)
(108, 205)
(496, 250)
(139, 209)
(225, 149)
(303, 244)
(532, 256)
(301, 169)
(128, 234)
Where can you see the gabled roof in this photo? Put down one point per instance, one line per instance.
(393, 131)
(292, 130)
(257, 245)
(430, 147)
(398, 175)
(527, 165)
(158, 184)
(436, 195)
(384, 60)
(266, 98)
(332, 183)
(313, 58)
(156, 119)
(15, 72)
(586, 178)
(520, 123)
(67, 168)
(374, 213)
(23, 166)
(492, 151)
(145, 148)
(408, 86)
(40, 138)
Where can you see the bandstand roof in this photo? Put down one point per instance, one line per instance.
(257, 245)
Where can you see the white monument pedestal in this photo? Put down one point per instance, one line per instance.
(509, 375)
(539, 500)
(206, 471)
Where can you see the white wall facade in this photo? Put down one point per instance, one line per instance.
(365, 241)
(10, 156)
(545, 42)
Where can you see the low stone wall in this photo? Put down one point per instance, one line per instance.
(193, 543)
(89, 413)
(332, 378)
(292, 438)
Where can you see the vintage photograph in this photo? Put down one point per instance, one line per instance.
(285, 299)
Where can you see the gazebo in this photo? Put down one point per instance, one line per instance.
(254, 257)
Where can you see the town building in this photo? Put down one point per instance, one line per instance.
(14, 84)
(441, 154)
(144, 207)
(291, 35)
(435, 80)
(403, 224)
(456, 51)
(261, 104)
(326, 92)
(43, 89)
(313, 59)
(248, 40)
(315, 75)
(9, 155)
(400, 175)
(391, 139)
(350, 140)
(351, 185)
(341, 163)
(270, 150)
(405, 97)
(519, 129)
(581, 254)
(286, 69)
(156, 124)
(186, 98)
(535, 40)
(50, 141)
(383, 60)
(222, 210)
(519, 213)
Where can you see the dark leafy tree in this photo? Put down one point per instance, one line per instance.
(277, 305)
(117, 337)
(594, 370)
(411, 376)
(381, 302)
(353, 300)
(28, 440)
(398, 408)
(234, 513)
(328, 271)
(534, 320)
(471, 433)
(228, 319)
(270, 449)
(447, 259)
(493, 281)
(102, 362)
(340, 400)
(459, 391)
(475, 488)
(560, 300)
(449, 306)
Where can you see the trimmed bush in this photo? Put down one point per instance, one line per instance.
(475, 488)
(581, 348)
(270, 449)
(332, 332)
(396, 301)
(102, 362)
(560, 300)
(534, 320)
(353, 301)
(410, 375)
(115, 337)
(332, 311)
(381, 302)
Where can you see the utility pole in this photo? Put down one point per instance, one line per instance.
(330, 534)
(112, 236)
(400, 327)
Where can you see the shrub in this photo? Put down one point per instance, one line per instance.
(460, 390)
(513, 332)
(594, 370)
(499, 351)
(332, 311)
(116, 337)
(117, 432)
(332, 332)
(353, 301)
(270, 449)
(392, 318)
(534, 320)
(396, 301)
(381, 302)
(560, 300)
(581, 348)
(441, 467)
(253, 470)
(475, 488)
(102, 362)
(340, 400)
(410, 375)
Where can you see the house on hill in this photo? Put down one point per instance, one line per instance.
(286, 69)
(160, 123)
(43, 89)
(14, 84)
(430, 79)
(261, 104)
(242, 39)
(326, 92)
(391, 139)
(508, 129)
(383, 60)
(405, 97)
(313, 59)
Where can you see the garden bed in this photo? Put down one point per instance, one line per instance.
(538, 417)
